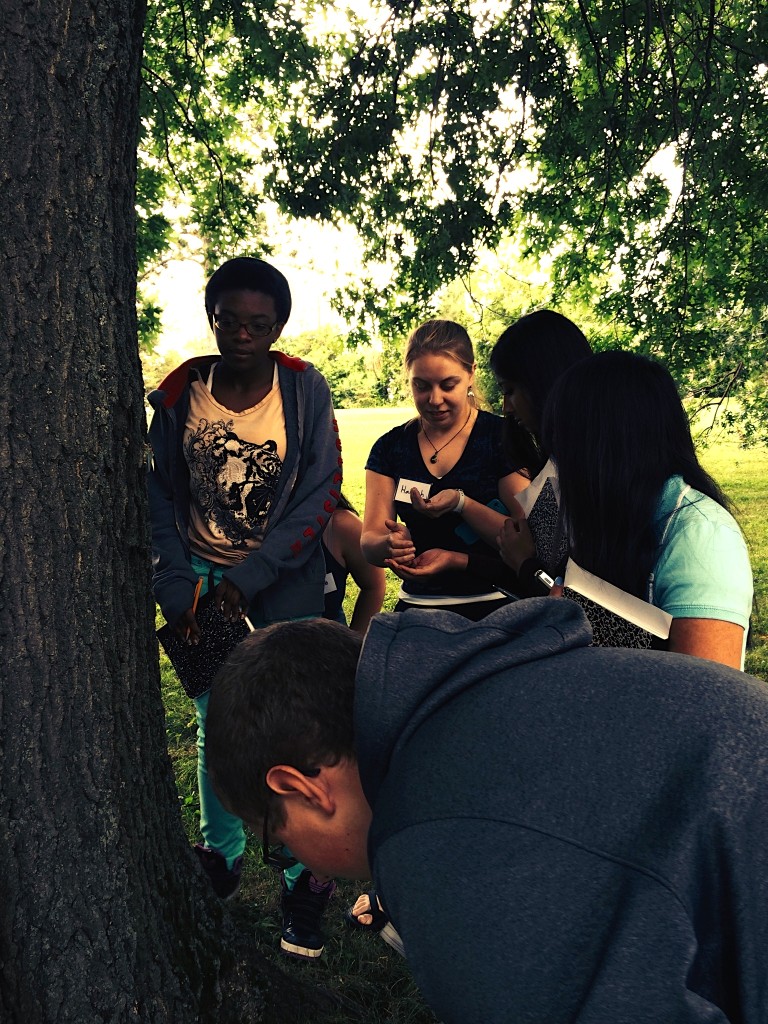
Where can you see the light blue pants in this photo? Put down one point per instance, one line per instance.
(222, 831)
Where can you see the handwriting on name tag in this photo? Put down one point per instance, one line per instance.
(403, 489)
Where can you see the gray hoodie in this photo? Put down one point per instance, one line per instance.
(561, 832)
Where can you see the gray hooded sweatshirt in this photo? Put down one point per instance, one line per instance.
(565, 833)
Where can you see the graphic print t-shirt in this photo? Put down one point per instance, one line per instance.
(234, 461)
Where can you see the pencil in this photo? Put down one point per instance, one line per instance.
(195, 599)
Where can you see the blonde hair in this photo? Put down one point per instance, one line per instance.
(442, 338)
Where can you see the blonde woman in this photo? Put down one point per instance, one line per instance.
(431, 482)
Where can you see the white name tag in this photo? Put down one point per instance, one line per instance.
(330, 584)
(403, 489)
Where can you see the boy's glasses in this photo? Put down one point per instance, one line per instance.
(255, 329)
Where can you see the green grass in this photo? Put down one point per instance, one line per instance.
(743, 475)
(371, 981)
(358, 429)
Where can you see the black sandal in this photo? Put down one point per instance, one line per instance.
(379, 921)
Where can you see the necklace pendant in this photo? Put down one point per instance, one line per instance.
(433, 459)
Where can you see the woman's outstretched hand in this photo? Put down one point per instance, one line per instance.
(430, 562)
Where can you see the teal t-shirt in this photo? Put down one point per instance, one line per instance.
(703, 569)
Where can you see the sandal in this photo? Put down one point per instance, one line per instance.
(379, 918)
(380, 922)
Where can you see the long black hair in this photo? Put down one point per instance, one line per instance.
(617, 431)
(533, 352)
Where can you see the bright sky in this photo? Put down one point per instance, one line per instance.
(316, 259)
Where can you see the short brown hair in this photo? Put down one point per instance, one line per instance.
(284, 696)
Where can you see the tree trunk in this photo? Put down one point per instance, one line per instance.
(103, 914)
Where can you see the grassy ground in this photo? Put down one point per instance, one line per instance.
(371, 982)
(743, 475)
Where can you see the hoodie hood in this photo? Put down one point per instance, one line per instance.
(170, 388)
(415, 661)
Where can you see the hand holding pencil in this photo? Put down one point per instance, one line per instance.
(186, 625)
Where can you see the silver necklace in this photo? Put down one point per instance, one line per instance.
(433, 458)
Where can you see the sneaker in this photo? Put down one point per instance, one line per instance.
(303, 908)
(225, 881)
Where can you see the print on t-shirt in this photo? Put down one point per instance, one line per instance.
(233, 481)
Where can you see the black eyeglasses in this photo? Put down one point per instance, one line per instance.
(256, 329)
(277, 855)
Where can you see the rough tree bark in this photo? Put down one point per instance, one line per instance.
(103, 916)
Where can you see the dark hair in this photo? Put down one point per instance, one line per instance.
(618, 431)
(284, 696)
(344, 504)
(533, 352)
(253, 275)
(442, 338)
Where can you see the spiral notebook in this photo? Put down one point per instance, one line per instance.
(618, 619)
(196, 665)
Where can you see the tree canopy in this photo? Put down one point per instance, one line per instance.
(621, 142)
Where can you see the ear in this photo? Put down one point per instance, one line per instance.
(278, 332)
(287, 781)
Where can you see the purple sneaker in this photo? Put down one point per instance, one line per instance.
(225, 881)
